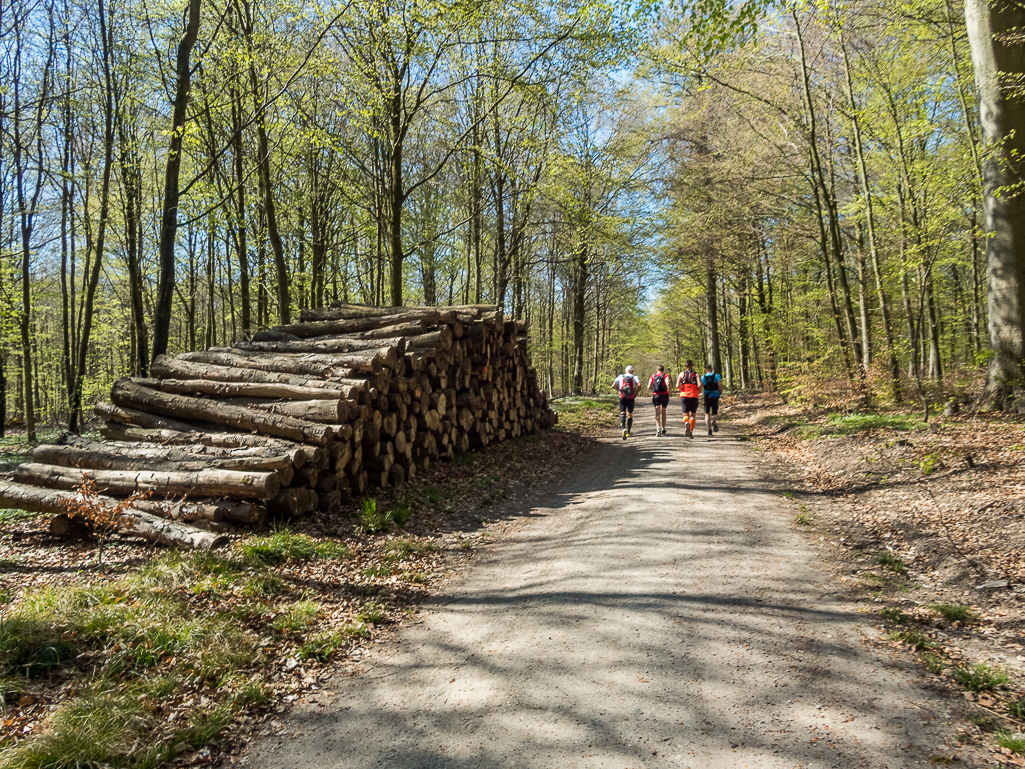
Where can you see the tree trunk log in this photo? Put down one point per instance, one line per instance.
(331, 412)
(87, 459)
(206, 483)
(136, 522)
(141, 418)
(286, 451)
(356, 326)
(127, 394)
(192, 441)
(178, 368)
(322, 366)
(240, 389)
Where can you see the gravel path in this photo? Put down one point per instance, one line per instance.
(661, 611)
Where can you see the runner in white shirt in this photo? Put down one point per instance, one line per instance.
(627, 386)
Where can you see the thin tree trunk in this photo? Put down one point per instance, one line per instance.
(169, 219)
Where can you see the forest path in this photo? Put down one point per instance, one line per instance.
(662, 611)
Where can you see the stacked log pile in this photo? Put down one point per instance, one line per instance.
(297, 419)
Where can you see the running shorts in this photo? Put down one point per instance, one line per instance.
(711, 404)
(626, 404)
(660, 399)
(689, 404)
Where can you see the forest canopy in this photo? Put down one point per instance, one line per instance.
(800, 194)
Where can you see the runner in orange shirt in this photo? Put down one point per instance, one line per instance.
(687, 384)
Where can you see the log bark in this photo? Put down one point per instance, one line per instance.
(440, 340)
(339, 326)
(176, 461)
(286, 451)
(295, 501)
(128, 394)
(322, 366)
(240, 389)
(361, 354)
(141, 418)
(205, 483)
(192, 441)
(70, 526)
(178, 368)
(136, 522)
(332, 412)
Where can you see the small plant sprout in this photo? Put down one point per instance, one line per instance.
(934, 663)
(373, 522)
(103, 518)
(1016, 708)
(979, 678)
(895, 615)
(1013, 742)
(955, 612)
(891, 562)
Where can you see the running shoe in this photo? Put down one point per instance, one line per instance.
(625, 433)
(709, 433)
(715, 425)
(687, 432)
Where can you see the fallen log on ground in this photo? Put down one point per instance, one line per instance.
(205, 483)
(137, 522)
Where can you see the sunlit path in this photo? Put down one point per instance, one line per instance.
(661, 611)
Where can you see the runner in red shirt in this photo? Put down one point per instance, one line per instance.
(659, 386)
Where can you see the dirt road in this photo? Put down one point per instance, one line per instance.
(661, 611)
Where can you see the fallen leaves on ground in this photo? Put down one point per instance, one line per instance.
(944, 501)
(455, 508)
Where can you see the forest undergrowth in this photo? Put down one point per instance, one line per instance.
(924, 521)
(161, 657)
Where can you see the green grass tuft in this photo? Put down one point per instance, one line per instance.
(1016, 708)
(979, 678)
(297, 617)
(332, 551)
(400, 513)
(401, 549)
(321, 646)
(280, 547)
(955, 612)
(848, 424)
(892, 563)
(463, 458)
(371, 521)
(934, 663)
(31, 646)
(917, 640)
(1012, 742)
(895, 615)
(371, 613)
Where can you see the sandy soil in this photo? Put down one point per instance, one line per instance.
(662, 610)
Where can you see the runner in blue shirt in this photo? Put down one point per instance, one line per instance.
(710, 383)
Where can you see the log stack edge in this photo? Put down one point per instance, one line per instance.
(296, 419)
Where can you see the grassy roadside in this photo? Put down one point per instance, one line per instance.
(167, 656)
(924, 526)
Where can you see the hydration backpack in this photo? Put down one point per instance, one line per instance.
(689, 384)
(709, 383)
(627, 386)
(660, 386)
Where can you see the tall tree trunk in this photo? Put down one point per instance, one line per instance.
(994, 35)
(77, 384)
(580, 277)
(169, 218)
(712, 311)
(245, 12)
(240, 228)
(832, 222)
